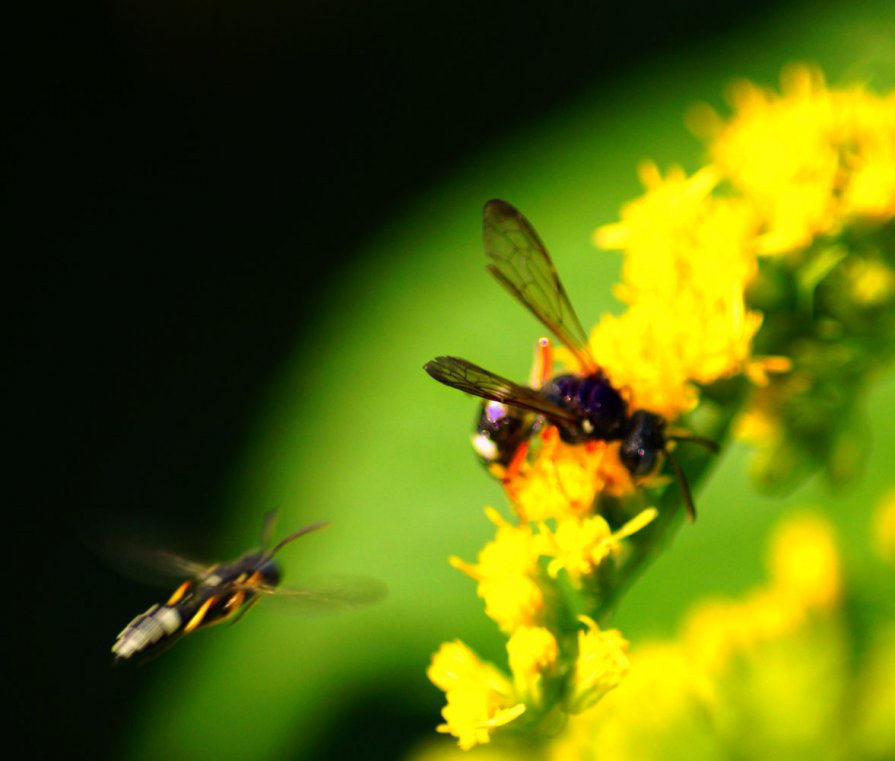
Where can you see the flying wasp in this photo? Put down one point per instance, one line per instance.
(226, 592)
(583, 407)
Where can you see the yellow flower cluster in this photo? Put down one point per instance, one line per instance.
(688, 259)
(703, 254)
(785, 169)
(510, 577)
(481, 698)
(564, 479)
(520, 597)
(809, 159)
(771, 674)
(682, 697)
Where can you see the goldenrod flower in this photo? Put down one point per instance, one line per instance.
(578, 546)
(507, 574)
(884, 528)
(804, 562)
(773, 263)
(804, 568)
(601, 665)
(656, 713)
(480, 698)
(564, 480)
(757, 674)
(533, 653)
(809, 159)
(688, 259)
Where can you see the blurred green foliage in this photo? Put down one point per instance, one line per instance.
(355, 433)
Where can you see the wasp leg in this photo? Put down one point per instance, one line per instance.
(684, 486)
(245, 609)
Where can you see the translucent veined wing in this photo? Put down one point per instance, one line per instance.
(329, 594)
(520, 262)
(464, 375)
(151, 565)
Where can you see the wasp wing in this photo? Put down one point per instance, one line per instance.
(329, 594)
(464, 375)
(521, 264)
(152, 566)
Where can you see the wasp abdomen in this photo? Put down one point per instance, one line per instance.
(147, 629)
(499, 432)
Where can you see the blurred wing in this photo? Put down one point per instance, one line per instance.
(464, 375)
(520, 262)
(152, 566)
(330, 594)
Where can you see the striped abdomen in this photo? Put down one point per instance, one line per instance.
(159, 623)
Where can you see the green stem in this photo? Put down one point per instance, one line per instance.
(647, 543)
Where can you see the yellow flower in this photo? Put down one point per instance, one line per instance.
(804, 566)
(580, 545)
(804, 562)
(533, 653)
(480, 698)
(809, 158)
(872, 282)
(507, 574)
(657, 712)
(688, 259)
(758, 674)
(884, 528)
(601, 665)
(563, 480)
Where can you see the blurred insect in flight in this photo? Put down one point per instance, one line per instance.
(583, 407)
(226, 592)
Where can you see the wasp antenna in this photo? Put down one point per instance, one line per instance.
(712, 446)
(684, 487)
(292, 537)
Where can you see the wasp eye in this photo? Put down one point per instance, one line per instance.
(643, 442)
(270, 572)
(638, 459)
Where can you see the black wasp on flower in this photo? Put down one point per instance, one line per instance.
(226, 592)
(583, 407)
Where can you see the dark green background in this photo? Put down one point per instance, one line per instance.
(245, 229)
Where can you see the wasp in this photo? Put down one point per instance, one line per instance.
(583, 407)
(226, 592)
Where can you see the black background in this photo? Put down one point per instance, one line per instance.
(183, 177)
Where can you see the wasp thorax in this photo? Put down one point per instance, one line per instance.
(599, 407)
